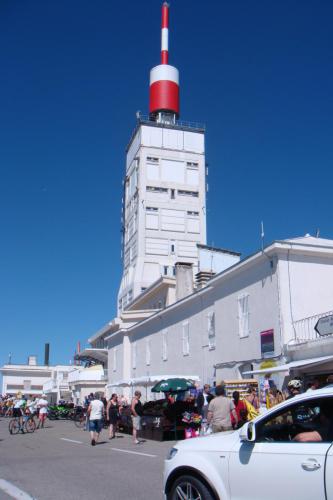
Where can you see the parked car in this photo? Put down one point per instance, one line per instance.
(285, 453)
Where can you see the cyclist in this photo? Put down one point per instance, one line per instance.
(294, 388)
(32, 406)
(18, 410)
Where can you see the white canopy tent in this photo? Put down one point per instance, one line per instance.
(149, 380)
(292, 365)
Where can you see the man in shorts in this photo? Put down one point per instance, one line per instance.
(95, 413)
(136, 411)
(42, 404)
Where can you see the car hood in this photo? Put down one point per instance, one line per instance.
(221, 441)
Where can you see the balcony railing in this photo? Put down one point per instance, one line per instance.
(305, 328)
(86, 375)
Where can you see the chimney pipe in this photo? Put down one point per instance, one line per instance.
(184, 279)
(47, 354)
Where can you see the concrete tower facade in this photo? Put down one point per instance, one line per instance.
(164, 202)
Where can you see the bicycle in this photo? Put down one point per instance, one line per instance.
(80, 419)
(29, 425)
(15, 426)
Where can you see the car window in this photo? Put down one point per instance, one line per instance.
(310, 420)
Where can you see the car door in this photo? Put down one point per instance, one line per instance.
(274, 466)
(329, 474)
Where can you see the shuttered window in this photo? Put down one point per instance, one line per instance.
(243, 315)
(165, 345)
(134, 349)
(114, 359)
(148, 353)
(186, 338)
(211, 329)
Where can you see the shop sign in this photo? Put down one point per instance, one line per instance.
(324, 326)
(267, 343)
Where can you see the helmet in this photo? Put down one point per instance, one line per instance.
(294, 384)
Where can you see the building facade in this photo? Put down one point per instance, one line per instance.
(261, 308)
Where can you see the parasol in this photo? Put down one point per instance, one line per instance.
(173, 385)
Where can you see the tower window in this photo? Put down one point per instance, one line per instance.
(152, 159)
(154, 189)
(183, 192)
(172, 248)
(172, 192)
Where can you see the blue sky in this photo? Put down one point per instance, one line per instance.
(73, 74)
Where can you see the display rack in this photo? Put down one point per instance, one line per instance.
(241, 386)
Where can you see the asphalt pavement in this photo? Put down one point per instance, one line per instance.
(58, 462)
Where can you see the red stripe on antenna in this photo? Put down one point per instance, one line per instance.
(164, 57)
(165, 15)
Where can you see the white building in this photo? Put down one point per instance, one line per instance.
(263, 307)
(27, 379)
(164, 201)
(57, 387)
(83, 381)
(174, 315)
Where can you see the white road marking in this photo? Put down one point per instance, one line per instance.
(14, 491)
(134, 452)
(71, 440)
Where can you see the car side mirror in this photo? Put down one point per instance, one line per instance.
(248, 432)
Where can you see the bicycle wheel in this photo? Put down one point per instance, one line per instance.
(80, 420)
(30, 425)
(14, 426)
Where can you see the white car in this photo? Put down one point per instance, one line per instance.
(286, 453)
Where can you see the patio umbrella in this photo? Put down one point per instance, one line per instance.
(173, 385)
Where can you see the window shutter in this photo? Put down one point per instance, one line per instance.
(186, 339)
(148, 354)
(165, 345)
(134, 348)
(211, 329)
(243, 315)
(115, 359)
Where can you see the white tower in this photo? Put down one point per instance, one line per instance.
(164, 202)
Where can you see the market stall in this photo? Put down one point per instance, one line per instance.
(162, 419)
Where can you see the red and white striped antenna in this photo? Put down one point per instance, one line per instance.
(165, 34)
(164, 79)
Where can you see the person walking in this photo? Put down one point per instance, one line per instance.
(95, 413)
(112, 411)
(136, 411)
(220, 410)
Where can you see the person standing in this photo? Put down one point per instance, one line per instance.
(203, 400)
(112, 411)
(220, 410)
(136, 411)
(241, 410)
(95, 413)
(42, 404)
